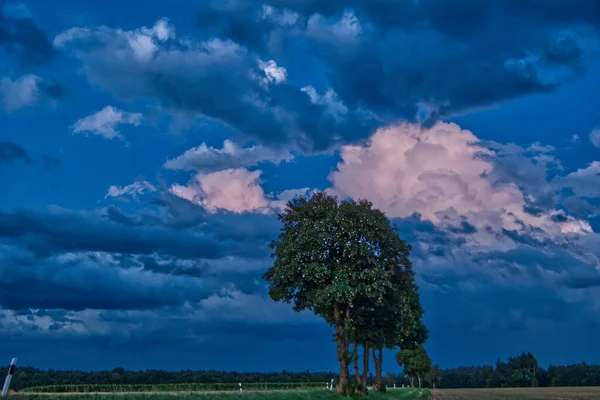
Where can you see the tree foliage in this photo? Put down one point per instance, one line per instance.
(434, 376)
(345, 262)
(415, 361)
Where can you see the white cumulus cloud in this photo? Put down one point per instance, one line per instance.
(585, 182)
(209, 159)
(135, 189)
(273, 72)
(442, 173)
(236, 190)
(334, 106)
(106, 121)
(142, 42)
(20, 93)
(595, 137)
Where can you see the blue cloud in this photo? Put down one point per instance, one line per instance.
(21, 37)
(10, 152)
(403, 54)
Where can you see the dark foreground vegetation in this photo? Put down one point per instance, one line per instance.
(28, 377)
(408, 394)
(175, 387)
(515, 372)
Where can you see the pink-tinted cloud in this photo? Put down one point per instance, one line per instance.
(235, 190)
(442, 173)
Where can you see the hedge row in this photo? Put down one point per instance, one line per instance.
(175, 387)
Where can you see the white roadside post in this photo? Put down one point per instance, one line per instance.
(11, 369)
(331, 387)
(240, 386)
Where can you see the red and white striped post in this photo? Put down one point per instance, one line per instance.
(11, 369)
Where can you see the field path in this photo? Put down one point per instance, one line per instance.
(465, 394)
(552, 393)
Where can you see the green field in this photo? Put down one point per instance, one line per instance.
(289, 391)
(404, 394)
(175, 387)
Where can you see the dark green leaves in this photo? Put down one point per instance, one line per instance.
(329, 252)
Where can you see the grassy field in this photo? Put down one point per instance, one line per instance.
(177, 387)
(552, 393)
(400, 394)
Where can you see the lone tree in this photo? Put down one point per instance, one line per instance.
(415, 361)
(338, 260)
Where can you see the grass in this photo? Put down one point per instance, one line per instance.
(400, 394)
(171, 388)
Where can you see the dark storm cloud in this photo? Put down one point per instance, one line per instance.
(217, 79)
(80, 282)
(583, 282)
(464, 227)
(171, 267)
(51, 89)
(21, 37)
(417, 60)
(105, 259)
(243, 25)
(49, 231)
(10, 152)
(445, 259)
(56, 315)
(451, 55)
(182, 214)
(216, 328)
(428, 239)
(456, 17)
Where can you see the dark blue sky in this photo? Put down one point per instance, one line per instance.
(145, 151)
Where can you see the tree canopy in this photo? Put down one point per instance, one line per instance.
(345, 262)
(415, 361)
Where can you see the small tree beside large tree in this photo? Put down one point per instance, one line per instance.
(415, 361)
(434, 376)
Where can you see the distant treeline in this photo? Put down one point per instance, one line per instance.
(519, 371)
(25, 377)
(489, 377)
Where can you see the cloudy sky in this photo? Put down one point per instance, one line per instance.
(146, 150)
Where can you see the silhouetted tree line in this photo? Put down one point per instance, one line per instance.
(519, 371)
(29, 377)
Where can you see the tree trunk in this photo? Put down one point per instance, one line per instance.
(419, 378)
(355, 362)
(341, 317)
(375, 363)
(378, 361)
(379, 370)
(365, 368)
(412, 382)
